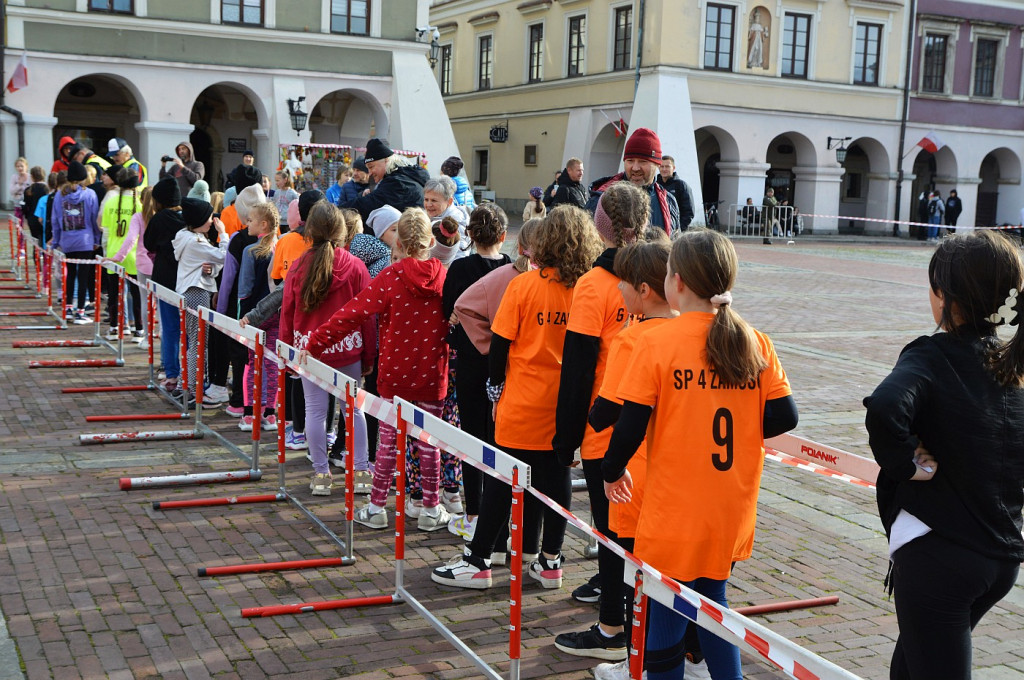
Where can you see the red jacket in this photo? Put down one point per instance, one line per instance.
(62, 163)
(349, 277)
(413, 353)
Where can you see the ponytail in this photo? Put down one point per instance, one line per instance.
(706, 262)
(325, 228)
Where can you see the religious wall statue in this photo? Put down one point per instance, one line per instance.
(758, 38)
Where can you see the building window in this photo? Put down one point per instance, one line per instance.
(868, 54)
(985, 67)
(242, 12)
(623, 37)
(718, 36)
(445, 71)
(935, 51)
(485, 62)
(530, 154)
(796, 41)
(482, 163)
(577, 45)
(535, 69)
(112, 6)
(350, 16)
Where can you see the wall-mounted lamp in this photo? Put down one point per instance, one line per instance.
(297, 115)
(435, 46)
(839, 144)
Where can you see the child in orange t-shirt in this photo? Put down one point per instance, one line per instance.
(598, 315)
(641, 268)
(525, 359)
(716, 389)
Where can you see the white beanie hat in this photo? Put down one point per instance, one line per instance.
(249, 197)
(380, 219)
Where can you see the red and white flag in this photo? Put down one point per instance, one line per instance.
(931, 142)
(19, 78)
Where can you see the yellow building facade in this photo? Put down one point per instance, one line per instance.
(744, 95)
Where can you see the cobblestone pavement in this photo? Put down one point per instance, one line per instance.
(94, 583)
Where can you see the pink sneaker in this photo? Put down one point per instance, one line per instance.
(245, 424)
(235, 411)
(269, 422)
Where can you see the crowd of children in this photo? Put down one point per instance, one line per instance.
(603, 345)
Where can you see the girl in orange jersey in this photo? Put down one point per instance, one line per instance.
(716, 389)
(641, 268)
(525, 359)
(598, 314)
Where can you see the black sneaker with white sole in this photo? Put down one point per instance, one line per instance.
(593, 643)
(589, 591)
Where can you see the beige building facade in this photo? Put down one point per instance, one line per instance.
(745, 95)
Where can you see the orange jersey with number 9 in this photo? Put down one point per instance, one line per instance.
(705, 450)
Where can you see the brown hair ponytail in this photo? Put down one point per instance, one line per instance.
(706, 262)
(325, 228)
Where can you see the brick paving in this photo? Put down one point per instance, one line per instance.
(94, 583)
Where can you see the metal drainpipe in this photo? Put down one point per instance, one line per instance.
(904, 112)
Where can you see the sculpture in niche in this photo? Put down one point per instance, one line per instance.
(758, 38)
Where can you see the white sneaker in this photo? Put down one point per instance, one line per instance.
(374, 520)
(464, 571)
(215, 395)
(413, 508)
(620, 671)
(112, 333)
(432, 519)
(452, 502)
(462, 527)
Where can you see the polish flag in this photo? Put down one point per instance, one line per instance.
(19, 78)
(931, 142)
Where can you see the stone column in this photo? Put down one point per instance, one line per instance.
(663, 104)
(817, 192)
(738, 181)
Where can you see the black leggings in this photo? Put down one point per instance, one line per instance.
(942, 590)
(609, 565)
(475, 417)
(83, 273)
(549, 477)
(114, 292)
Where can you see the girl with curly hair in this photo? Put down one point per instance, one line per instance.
(523, 365)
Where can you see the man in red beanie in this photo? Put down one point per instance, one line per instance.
(642, 159)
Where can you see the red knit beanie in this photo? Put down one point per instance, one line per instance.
(643, 143)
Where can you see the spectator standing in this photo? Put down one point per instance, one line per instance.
(356, 185)
(954, 206)
(535, 207)
(768, 216)
(936, 211)
(642, 159)
(121, 154)
(399, 181)
(65, 154)
(341, 178)
(185, 169)
(668, 178)
(463, 192)
(569, 187)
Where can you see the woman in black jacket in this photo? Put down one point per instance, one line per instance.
(947, 428)
(165, 223)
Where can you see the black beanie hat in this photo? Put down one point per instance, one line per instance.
(360, 164)
(167, 193)
(76, 172)
(377, 150)
(113, 170)
(195, 212)
(307, 199)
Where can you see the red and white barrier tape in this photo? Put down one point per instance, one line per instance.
(855, 218)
